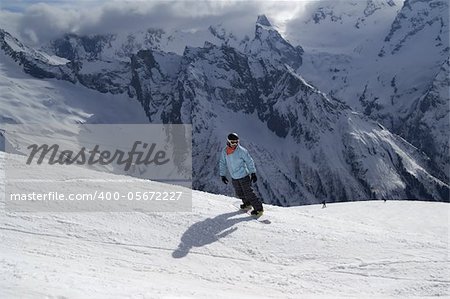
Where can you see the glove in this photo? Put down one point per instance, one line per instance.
(224, 180)
(253, 177)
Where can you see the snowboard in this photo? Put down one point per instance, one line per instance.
(262, 218)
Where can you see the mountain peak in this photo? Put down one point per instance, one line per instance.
(262, 20)
(270, 46)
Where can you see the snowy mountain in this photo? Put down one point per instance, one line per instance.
(343, 26)
(35, 62)
(29, 99)
(396, 249)
(427, 124)
(308, 147)
(384, 67)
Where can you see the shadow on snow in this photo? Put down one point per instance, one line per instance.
(208, 231)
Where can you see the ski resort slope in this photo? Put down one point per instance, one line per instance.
(393, 249)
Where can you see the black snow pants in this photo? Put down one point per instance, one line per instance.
(244, 191)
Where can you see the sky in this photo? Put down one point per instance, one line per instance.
(40, 21)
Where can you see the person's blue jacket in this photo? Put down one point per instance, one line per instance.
(239, 163)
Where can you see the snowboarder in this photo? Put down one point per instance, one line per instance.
(237, 160)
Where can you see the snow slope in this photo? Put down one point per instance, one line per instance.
(348, 250)
(30, 100)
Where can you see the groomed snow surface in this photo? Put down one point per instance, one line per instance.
(370, 249)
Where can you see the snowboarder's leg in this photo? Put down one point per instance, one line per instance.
(239, 191)
(249, 194)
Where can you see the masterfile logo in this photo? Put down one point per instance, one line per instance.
(50, 160)
(56, 155)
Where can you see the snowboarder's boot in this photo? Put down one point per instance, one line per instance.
(256, 213)
(245, 206)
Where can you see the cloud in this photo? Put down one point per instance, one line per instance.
(41, 22)
(9, 21)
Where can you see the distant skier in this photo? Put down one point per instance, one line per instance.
(237, 160)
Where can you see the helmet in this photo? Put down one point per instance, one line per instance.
(233, 137)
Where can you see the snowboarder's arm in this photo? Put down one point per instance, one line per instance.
(249, 161)
(222, 164)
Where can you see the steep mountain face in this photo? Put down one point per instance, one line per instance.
(299, 126)
(34, 62)
(386, 76)
(342, 26)
(153, 80)
(417, 43)
(420, 33)
(307, 147)
(427, 126)
(272, 48)
(415, 18)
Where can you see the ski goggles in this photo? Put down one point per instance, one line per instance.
(233, 142)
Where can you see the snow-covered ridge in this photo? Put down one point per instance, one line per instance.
(16, 46)
(36, 62)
